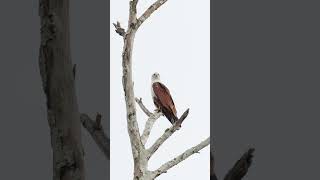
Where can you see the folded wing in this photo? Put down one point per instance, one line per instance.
(164, 101)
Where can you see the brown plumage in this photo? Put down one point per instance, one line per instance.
(162, 99)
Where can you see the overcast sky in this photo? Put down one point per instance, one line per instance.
(175, 43)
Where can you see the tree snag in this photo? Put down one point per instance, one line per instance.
(58, 84)
(141, 155)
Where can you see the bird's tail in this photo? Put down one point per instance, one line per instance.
(170, 116)
(174, 120)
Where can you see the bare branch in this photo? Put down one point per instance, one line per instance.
(181, 119)
(149, 11)
(143, 108)
(55, 65)
(149, 124)
(96, 131)
(166, 134)
(165, 167)
(119, 29)
(241, 167)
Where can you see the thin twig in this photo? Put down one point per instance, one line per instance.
(119, 29)
(165, 167)
(143, 108)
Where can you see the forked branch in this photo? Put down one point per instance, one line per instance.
(149, 124)
(119, 29)
(143, 107)
(96, 131)
(156, 5)
(152, 118)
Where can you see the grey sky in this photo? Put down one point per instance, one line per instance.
(175, 43)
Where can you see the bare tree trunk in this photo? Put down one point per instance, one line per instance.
(140, 162)
(58, 83)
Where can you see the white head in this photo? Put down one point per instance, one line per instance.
(155, 77)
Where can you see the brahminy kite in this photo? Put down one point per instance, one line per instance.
(162, 99)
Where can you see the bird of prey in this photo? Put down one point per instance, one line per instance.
(162, 99)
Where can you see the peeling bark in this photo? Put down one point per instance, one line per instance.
(58, 84)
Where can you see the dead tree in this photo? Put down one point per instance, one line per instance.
(58, 84)
(141, 154)
(58, 80)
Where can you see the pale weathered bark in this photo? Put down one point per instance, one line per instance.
(143, 108)
(167, 134)
(165, 167)
(149, 11)
(141, 155)
(152, 117)
(59, 87)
